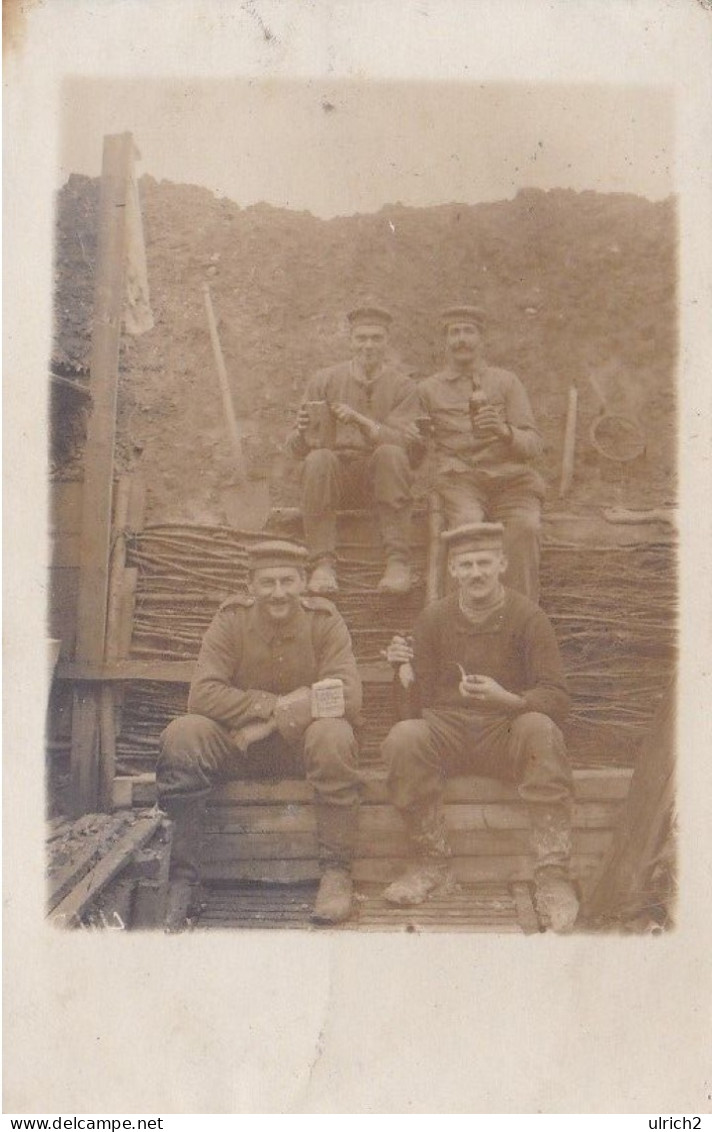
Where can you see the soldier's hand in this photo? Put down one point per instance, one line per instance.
(412, 433)
(345, 414)
(406, 675)
(485, 691)
(293, 713)
(489, 419)
(302, 419)
(254, 732)
(399, 651)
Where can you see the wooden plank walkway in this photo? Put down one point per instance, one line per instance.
(482, 908)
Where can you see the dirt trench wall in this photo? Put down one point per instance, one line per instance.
(573, 283)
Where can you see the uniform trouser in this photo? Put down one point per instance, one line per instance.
(331, 479)
(197, 753)
(527, 749)
(469, 497)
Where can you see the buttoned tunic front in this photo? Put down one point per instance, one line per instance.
(247, 661)
(444, 398)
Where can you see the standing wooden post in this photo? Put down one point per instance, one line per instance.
(567, 464)
(435, 568)
(99, 465)
(621, 890)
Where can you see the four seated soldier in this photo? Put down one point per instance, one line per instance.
(371, 406)
(486, 671)
(254, 713)
(484, 668)
(485, 443)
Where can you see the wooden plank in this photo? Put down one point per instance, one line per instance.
(610, 786)
(112, 643)
(116, 567)
(166, 671)
(151, 899)
(604, 785)
(174, 671)
(375, 820)
(85, 747)
(107, 747)
(468, 870)
(61, 881)
(99, 459)
(71, 908)
(127, 608)
(464, 843)
(101, 427)
(136, 515)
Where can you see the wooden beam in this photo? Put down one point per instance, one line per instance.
(69, 911)
(99, 464)
(174, 671)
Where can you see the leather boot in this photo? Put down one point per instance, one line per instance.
(431, 873)
(183, 902)
(556, 900)
(336, 830)
(554, 895)
(334, 900)
(323, 579)
(397, 578)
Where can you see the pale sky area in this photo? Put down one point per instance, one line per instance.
(339, 147)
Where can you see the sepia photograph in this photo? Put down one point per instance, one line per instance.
(363, 493)
(358, 613)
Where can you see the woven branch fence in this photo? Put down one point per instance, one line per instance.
(613, 608)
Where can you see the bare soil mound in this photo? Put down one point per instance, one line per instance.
(576, 285)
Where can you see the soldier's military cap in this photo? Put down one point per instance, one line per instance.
(463, 313)
(276, 552)
(370, 314)
(473, 536)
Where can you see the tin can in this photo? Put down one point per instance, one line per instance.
(328, 699)
(320, 433)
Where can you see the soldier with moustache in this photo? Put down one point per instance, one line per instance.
(252, 714)
(485, 672)
(486, 444)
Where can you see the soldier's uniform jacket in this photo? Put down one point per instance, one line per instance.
(246, 661)
(391, 399)
(444, 398)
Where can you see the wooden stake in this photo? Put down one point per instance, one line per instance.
(99, 463)
(435, 560)
(567, 464)
(226, 395)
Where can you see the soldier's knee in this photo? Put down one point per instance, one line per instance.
(185, 734)
(330, 734)
(404, 742)
(329, 744)
(390, 456)
(535, 727)
(320, 461)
